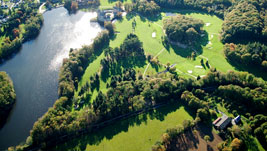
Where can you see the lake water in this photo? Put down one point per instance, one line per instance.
(34, 70)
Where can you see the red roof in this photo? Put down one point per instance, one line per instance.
(216, 121)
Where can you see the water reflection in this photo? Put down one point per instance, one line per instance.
(34, 70)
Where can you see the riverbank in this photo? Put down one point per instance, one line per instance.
(8, 97)
(34, 70)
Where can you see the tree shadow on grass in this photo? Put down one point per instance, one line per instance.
(108, 132)
(117, 68)
(188, 11)
(251, 144)
(184, 142)
(112, 1)
(155, 66)
(130, 16)
(150, 18)
(205, 129)
(197, 47)
(253, 70)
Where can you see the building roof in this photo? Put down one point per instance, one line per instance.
(216, 121)
(224, 122)
(237, 119)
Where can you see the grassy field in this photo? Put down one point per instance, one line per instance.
(105, 4)
(137, 133)
(211, 51)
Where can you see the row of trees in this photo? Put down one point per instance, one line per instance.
(33, 26)
(217, 7)
(249, 54)
(132, 94)
(144, 7)
(73, 6)
(186, 30)
(172, 135)
(73, 67)
(60, 120)
(130, 48)
(7, 96)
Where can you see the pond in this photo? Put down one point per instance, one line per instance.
(34, 70)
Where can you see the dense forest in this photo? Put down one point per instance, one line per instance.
(145, 8)
(7, 96)
(252, 54)
(182, 29)
(246, 21)
(217, 7)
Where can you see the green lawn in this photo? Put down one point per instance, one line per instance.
(212, 52)
(137, 133)
(105, 4)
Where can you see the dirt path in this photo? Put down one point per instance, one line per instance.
(153, 58)
(40, 8)
(191, 141)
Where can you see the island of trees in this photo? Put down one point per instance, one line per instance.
(7, 96)
(184, 30)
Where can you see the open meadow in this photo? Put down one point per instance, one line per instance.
(139, 132)
(150, 31)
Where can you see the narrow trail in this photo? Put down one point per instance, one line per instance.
(40, 8)
(153, 58)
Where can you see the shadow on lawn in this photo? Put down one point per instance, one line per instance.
(112, 1)
(188, 11)
(117, 127)
(257, 71)
(143, 18)
(187, 52)
(117, 68)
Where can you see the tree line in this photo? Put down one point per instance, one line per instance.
(133, 93)
(130, 51)
(217, 7)
(7, 96)
(144, 7)
(73, 6)
(251, 54)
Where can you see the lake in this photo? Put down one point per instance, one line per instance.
(34, 70)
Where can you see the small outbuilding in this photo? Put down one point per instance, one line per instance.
(237, 119)
(222, 122)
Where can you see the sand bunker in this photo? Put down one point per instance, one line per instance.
(114, 21)
(153, 34)
(202, 76)
(189, 71)
(170, 14)
(199, 67)
(210, 43)
(207, 24)
(211, 36)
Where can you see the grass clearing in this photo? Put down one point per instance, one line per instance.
(153, 45)
(106, 4)
(136, 133)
